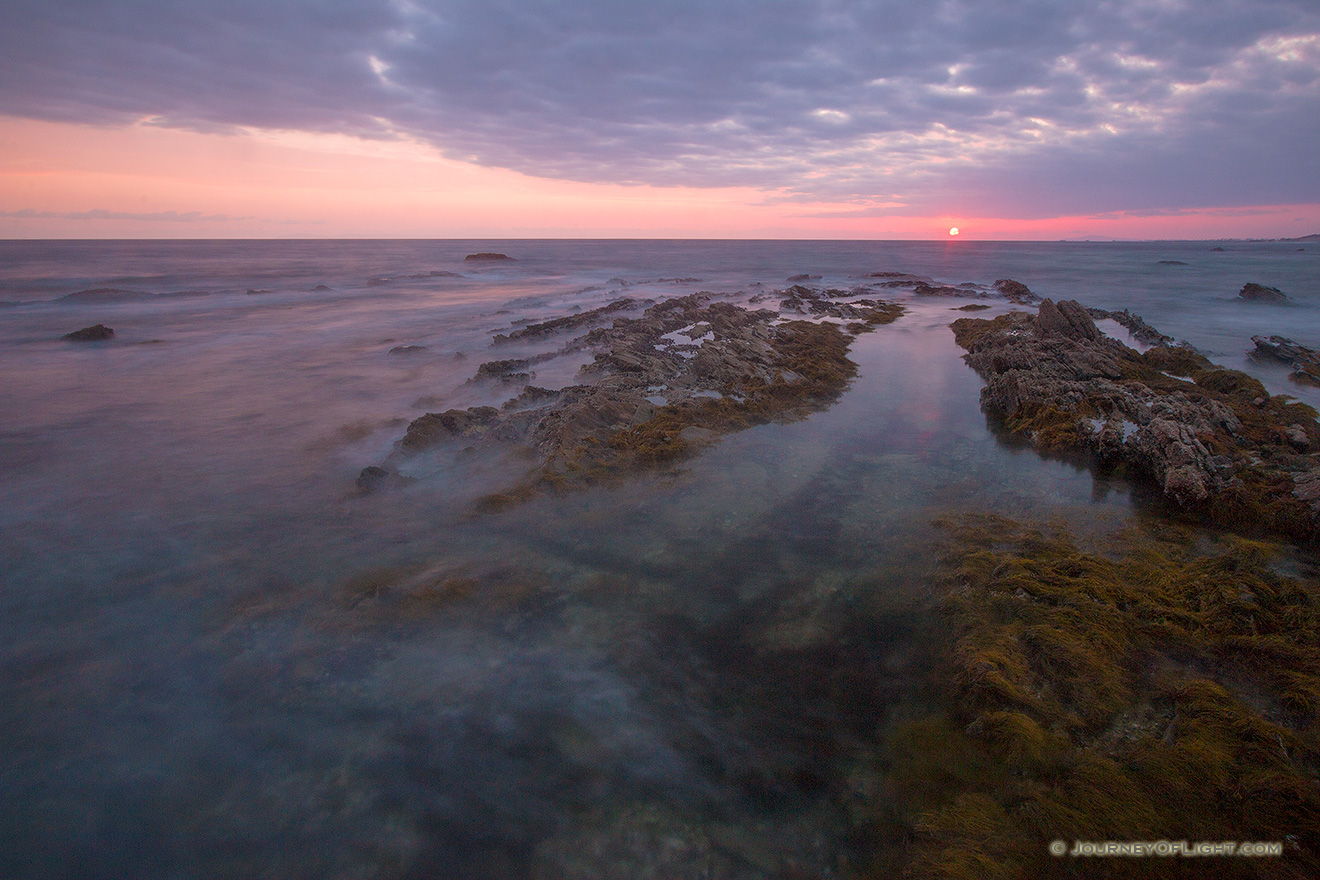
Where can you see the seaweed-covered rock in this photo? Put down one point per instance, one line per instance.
(1260, 293)
(94, 333)
(659, 386)
(1215, 443)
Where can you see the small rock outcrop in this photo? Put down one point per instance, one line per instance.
(488, 257)
(1016, 291)
(1260, 293)
(1216, 443)
(94, 333)
(1305, 362)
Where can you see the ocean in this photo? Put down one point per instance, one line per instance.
(677, 674)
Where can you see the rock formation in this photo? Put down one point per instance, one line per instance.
(1213, 441)
(660, 386)
(1305, 362)
(1260, 293)
(94, 333)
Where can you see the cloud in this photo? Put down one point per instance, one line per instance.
(1009, 107)
(103, 214)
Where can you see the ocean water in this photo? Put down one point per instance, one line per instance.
(680, 675)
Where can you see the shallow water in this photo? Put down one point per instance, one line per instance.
(212, 663)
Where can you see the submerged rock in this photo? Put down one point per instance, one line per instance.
(1215, 443)
(1261, 293)
(94, 333)
(408, 349)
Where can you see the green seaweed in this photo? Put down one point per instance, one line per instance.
(1161, 689)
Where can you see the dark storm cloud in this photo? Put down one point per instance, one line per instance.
(1022, 108)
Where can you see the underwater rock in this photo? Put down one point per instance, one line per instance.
(94, 333)
(408, 349)
(796, 278)
(1305, 362)
(1260, 293)
(1216, 444)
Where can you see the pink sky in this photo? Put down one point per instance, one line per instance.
(260, 184)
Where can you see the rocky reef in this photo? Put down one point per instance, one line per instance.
(1214, 442)
(659, 386)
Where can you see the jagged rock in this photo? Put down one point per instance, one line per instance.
(94, 333)
(1069, 318)
(1305, 362)
(511, 371)
(1217, 444)
(1261, 293)
(1140, 330)
(431, 428)
(1015, 291)
(408, 349)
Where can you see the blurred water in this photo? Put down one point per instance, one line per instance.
(200, 675)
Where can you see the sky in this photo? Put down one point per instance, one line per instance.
(1035, 119)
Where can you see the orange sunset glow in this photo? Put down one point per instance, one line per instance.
(80, 181)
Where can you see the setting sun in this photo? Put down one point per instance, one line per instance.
(953, 230)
